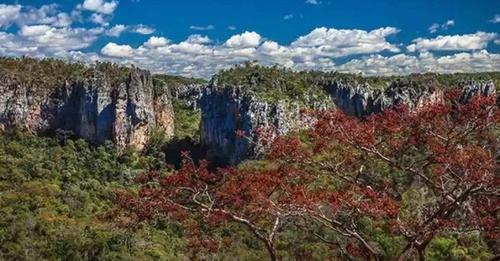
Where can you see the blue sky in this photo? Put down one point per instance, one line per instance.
(197, 38)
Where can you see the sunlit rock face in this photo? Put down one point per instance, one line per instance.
(472, 88)
(362, 100)
(91, 108)
(227, 110)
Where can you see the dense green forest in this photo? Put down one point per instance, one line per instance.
(55, 196)
(57, 203)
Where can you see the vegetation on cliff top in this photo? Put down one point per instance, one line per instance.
(48, 73)
(272, 84)
(279, 83)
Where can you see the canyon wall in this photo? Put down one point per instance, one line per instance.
(92, 108)
(229, 110)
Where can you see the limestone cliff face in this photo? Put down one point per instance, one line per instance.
(230, 109)
(91, 108)
(190, 93)
(472, 88)
(361, 100)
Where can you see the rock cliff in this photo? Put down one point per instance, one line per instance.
(226, 110)
(362, 100)
(93, 108)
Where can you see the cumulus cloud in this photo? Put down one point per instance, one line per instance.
(464, 42)
(244, 40)
(199, 39)
(143, 29)
(99, 19)
(116, 30)
(47, 41)
(436, 27)
(8, 14)
(156, 42)
(46, 31)
(59, 39)
(478, 61)
(46, 14)
(336, 43)
(116, 50)
(100, 6)
(199, 56)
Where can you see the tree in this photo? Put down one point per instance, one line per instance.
(448, 151)
(346, 173)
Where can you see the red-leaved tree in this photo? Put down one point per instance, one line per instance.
(345, 170)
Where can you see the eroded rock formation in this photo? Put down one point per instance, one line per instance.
(229, 109)
(92, 108)
(362, 100)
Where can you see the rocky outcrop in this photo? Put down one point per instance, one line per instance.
(189, 93)
(93, 108)
(472, 88)
(362, 100)
(229, 110)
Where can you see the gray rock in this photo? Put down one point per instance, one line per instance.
(92, 108)
(362, 100)
(226, 110)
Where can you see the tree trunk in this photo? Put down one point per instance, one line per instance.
(421, 254)
(271, 250)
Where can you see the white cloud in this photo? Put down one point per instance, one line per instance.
(46, 14)
(313, 2)
(59, 39)
(336, 43)
(448, 24)
(202, 28)
(116, 30)
(100, 6)
(436, 27)
(495, 19)
(143, 29)
(464, 42)
(156, 42)
(231, 28)
(288, 17)
(199, 39)
(116, 50)
(244, 40)
(8, 14)
(199, 56)
(99, 19)
(406, 64)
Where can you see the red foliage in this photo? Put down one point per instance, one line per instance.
(450, 149)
